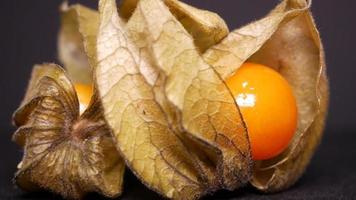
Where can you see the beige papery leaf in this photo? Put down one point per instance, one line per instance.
(151, 148)
(207, 109)
(288, 41)
(173, 117)
(77, 41)
(207, 28)
(64, 152)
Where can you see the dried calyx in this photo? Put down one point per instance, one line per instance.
(160, 100)
(64, 152)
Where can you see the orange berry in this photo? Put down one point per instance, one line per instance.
(84, 93)
(268, 107)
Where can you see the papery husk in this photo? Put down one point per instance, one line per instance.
(65, 153)
(207, 28)
(193, 130)
(152, 150)
(288, 41)
(86, 160)
(202, 99)
(77, 41)
(160, 68)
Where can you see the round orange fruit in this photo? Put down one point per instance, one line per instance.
(268, 107)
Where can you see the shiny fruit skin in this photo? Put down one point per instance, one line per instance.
(84, 93)
(268, 107)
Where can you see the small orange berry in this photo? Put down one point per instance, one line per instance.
(268, 107)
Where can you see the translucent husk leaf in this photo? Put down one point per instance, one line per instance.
(207, 28)
(77, 41)
(288, 41)
(195, 110)
(63, 152)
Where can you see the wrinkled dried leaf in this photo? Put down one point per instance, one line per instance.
(153, 151)
(208, 110)
(288, 41)
(136, 31)
(77, 41)
(207, 28)
(152, 75)
(63, 152)
(136, 90)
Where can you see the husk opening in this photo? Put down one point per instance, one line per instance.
(287, 41)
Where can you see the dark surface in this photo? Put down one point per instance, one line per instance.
(28, 36)
(331, 175)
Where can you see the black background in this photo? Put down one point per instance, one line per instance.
(28, 33)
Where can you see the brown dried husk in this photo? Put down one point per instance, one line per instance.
(288, 41)
(160, 66)
(65, 152)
